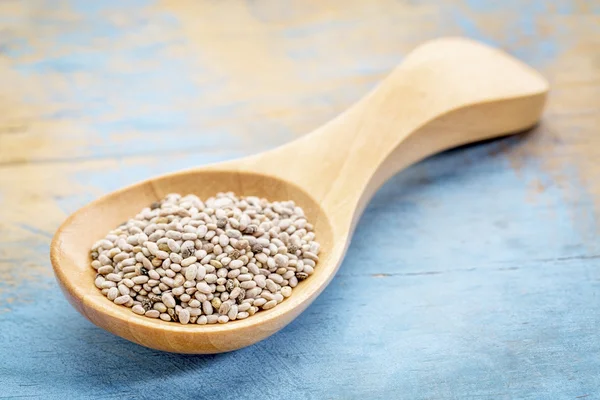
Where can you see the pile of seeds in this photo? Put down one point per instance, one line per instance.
(189, 261)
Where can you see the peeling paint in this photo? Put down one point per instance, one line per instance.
(490, 252)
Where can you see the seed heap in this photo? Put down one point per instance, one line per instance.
(189, 261)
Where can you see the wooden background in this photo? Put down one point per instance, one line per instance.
(472, 275)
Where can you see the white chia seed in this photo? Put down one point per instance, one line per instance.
(193, 262)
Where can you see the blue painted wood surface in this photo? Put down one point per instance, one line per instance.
(475, 274)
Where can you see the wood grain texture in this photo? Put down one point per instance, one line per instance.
(488, 296)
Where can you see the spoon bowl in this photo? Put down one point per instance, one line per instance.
(80, 230)
(446, 93)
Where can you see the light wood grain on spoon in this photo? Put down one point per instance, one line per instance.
(446, 93)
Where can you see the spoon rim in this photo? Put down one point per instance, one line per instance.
(92, 297)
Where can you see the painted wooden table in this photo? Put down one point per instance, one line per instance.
(475, 274)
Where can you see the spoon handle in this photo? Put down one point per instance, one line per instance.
(446, 93)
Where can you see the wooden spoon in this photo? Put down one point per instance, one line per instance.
(446, 93)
